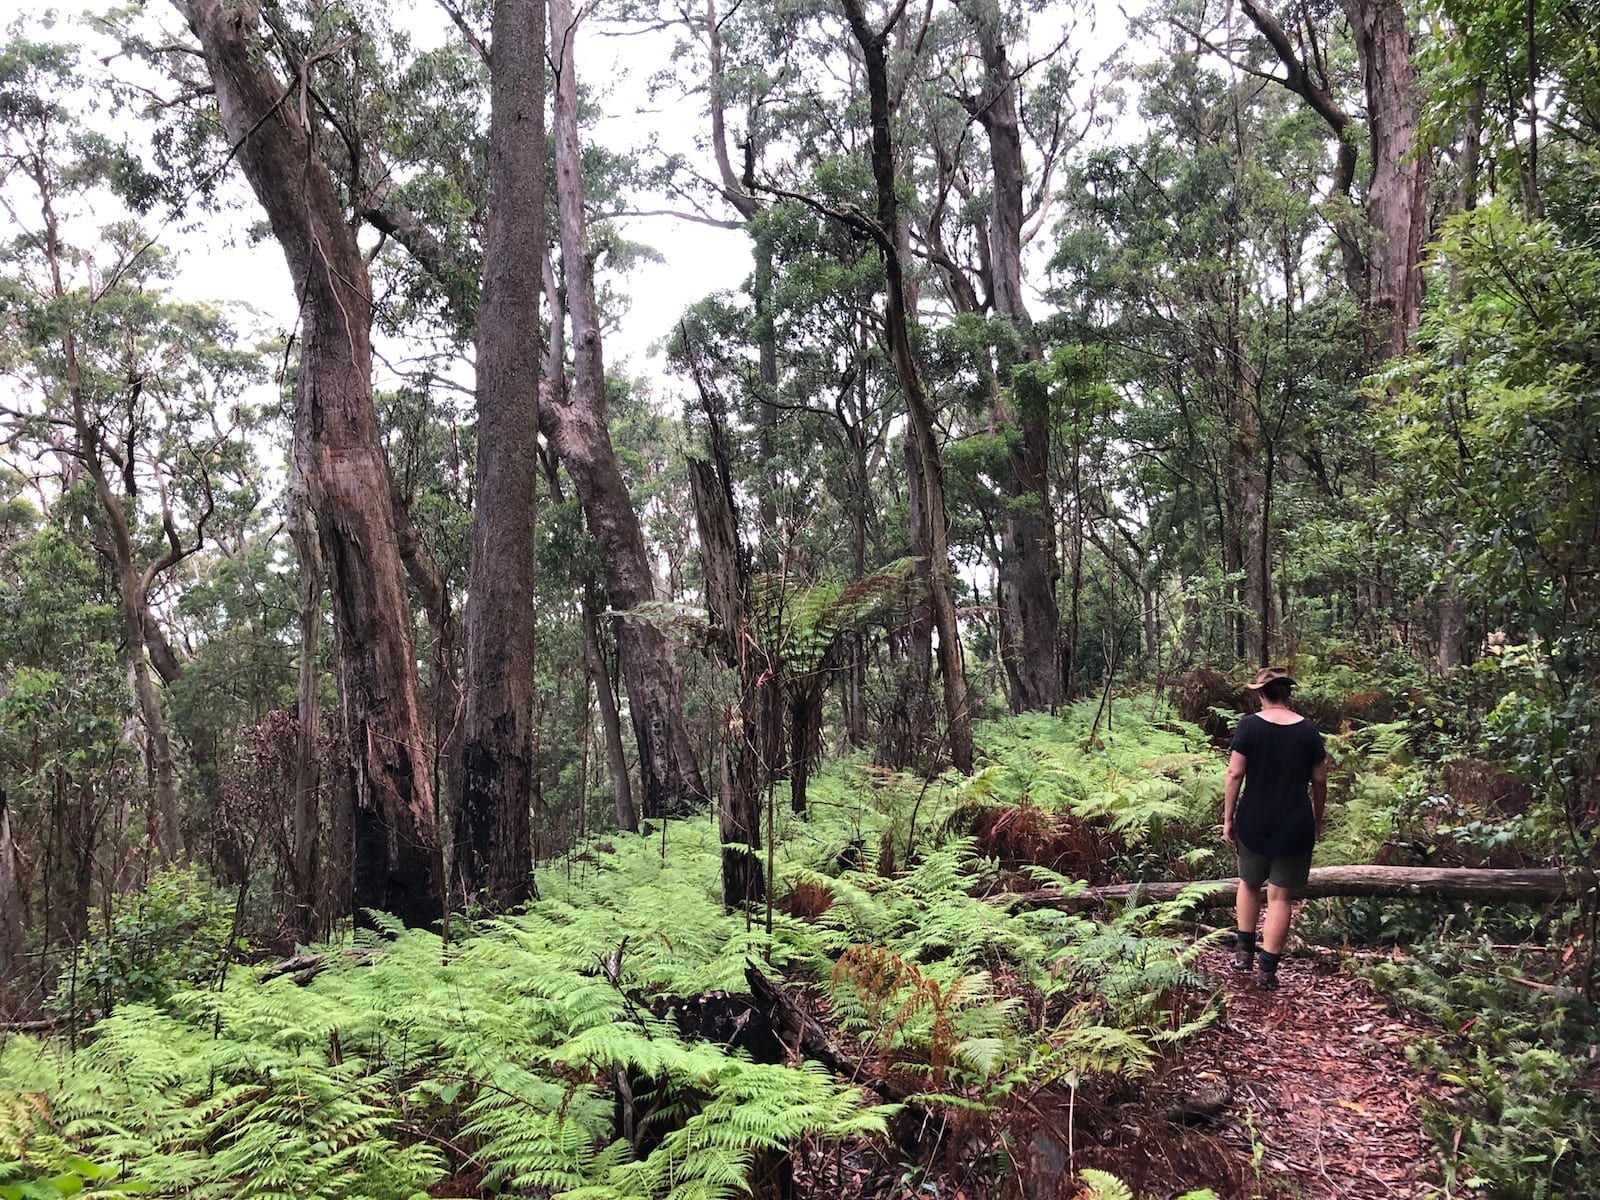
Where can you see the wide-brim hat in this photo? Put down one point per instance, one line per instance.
(1271, 675)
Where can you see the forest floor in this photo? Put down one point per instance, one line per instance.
(1299, 1094)
(1321, 1092)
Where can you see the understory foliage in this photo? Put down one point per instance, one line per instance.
(1518, 1104)
(407, 1060)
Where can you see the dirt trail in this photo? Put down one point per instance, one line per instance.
(1320, 1085)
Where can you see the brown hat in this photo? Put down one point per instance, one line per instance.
(1271, 675)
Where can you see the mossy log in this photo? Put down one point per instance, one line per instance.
(1538, 885)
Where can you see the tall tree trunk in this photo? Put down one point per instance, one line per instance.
(306, 820)
(1028, 566)
(395, 833)
(610, 717)
(669, 773)
(492, 835)
(758, 732)
(1397, 199)
(930, 475)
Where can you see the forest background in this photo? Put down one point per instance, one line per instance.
(1056, 382)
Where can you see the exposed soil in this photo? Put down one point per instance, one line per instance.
(1321, 1089)
(1300, 1093)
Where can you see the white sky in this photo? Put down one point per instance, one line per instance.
(697, 259)
(216, 264)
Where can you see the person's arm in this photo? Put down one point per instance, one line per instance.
(1230, 793)
(1319, 793)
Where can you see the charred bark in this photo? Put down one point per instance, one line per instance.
(337, 440)
(492, 833)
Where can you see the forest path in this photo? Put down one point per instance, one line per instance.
(1321, 1088)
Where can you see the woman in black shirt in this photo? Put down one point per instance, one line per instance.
(1279, 760)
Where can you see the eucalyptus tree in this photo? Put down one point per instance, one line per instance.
(1383, 266)
(975, 214)
(668, 765)
(884, 230)
(1198, 250)
(337, 440)
(137, 394)
(492, 839)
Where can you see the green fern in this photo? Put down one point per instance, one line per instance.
(403, 1058)
(1103, 1185)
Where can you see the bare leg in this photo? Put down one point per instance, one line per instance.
(1247, 906)
(1275, 929)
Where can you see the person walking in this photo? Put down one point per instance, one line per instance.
(1272, 804)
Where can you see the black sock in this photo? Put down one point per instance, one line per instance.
(1268, 961)
(1244, 939)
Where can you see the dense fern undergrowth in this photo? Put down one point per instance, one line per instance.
(544, 1052)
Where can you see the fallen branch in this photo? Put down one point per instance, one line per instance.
(42, 1025)
(303, 967)
(1417, 883)
(796, 1027)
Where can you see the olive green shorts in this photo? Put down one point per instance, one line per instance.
(1281, 870)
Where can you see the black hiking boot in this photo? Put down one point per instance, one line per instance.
(1269, 971)
(1244, 957)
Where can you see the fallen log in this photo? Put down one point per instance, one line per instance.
(1418, 883)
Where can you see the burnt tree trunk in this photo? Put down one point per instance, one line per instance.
(669, 774)
(338, 444)
(727, 580)
(491, 833)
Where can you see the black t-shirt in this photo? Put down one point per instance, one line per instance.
(1274, 814)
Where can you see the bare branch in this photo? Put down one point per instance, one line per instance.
(460, 21)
